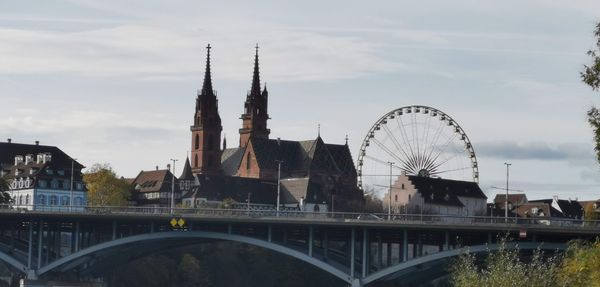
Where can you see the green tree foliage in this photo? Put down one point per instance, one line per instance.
(4, 196)
(505, 269)
(591, 77)
(581, 265)
(104, 187)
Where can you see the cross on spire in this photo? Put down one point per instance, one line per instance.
(207, 84)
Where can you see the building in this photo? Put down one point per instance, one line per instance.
(417, 194)
(155, 188)
(42, 177)
(314, 174)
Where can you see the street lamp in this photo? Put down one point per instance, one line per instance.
(173, 186)
(390, 192)
(506, 199)
(71, 193)
(278, 183)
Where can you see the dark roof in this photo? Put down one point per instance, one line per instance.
(515, 198)
(231, 159)
(153, 181)
(8, 151)
(218, 188)
(535, 209)
(186, 174)
(294, 189)
(567, 208)
(445, 191)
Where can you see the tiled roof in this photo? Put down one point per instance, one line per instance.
(536, 209)
(445, 191)
(154, 181)
(514, 198)
(231, 159)
(294, 189)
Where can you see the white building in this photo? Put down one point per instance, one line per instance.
(42, 177)
(417, 194)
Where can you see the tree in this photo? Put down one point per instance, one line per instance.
(591, 77)
(505, 269)
(373, 204)
(105, 188)
(4, 196)
(581, 266)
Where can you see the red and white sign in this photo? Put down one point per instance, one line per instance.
(523, 233)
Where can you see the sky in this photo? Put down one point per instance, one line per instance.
(116, 81)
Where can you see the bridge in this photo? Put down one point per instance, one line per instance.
(359, 249)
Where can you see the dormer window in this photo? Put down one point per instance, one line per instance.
(49, 172)
(18, 159)
(61, 172)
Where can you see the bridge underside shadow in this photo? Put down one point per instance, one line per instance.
(93, 261)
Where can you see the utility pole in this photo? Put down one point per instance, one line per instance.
(278, 184)
(390, 192)
(173, 186)
(71, 197)
(506, 201)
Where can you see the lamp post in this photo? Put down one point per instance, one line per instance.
(173, 186)
(71, 192)
(390, 192)
(506, 199)
(278, 184)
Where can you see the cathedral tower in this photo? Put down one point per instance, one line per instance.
(206, 131)
(255, 116)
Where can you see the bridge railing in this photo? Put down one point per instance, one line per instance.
(303, 215)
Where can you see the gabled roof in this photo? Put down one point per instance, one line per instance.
(154, 181)
(515, 198)
(535, 209)
(445, 191)
(563, 207)
(186, 174)
(8, 151)
(231, 159)
(293, 190)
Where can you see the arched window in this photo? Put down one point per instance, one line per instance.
(197, 142)
(42, 199)
(20, 199)
(316, 208)
(64, 200)
(396, 197)
(53, 200)
(196, 161)
(78, 201)
(409, 197)
(27, 199)
(403, 186)
(248, 159)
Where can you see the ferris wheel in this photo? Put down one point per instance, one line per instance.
(417, 140)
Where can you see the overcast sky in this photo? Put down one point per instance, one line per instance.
(115, 81)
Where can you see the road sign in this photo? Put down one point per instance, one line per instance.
(177, 223)
(173, 222)
(181, 222)
(523, 233)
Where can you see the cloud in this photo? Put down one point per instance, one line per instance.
(572, 152)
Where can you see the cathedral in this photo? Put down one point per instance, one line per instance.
(313, 175)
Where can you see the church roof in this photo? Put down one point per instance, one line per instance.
(187, 171)
(218, 188)
(294, 189)
(231, 159)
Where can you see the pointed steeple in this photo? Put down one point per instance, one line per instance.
(186, 174)
(255, 90)
(207, 88)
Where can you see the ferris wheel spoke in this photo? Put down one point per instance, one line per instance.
(446, 160)
(415, 129)
(436, 138)
(444, 147)
(388, 151)
(395, 141)
(405, 135)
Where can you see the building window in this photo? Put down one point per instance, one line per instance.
(20, 199)
(79, 186)
(409, 196)
(197, 144)
(27, 199)
(396, 197)
(42, 183)
(248, 159)
(195, 160)
(41, 199)
(78, 201)
(64, 200)
(49, 172)
(403, 186)
(53, 200)
(61, 172)
(54, 183)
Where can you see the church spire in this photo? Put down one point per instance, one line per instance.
(207, 85)
(255, 91)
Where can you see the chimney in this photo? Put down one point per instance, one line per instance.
(37, 142)
(9, 140)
